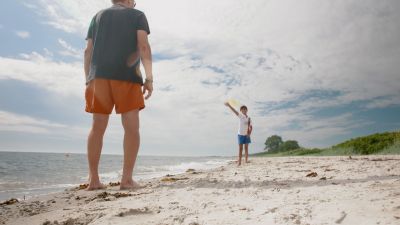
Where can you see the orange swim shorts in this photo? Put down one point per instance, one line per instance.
(101, 95)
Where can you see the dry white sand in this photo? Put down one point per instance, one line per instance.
(359, 190)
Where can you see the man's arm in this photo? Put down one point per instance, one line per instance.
(88, 57)
(233, 110)
(146, 58)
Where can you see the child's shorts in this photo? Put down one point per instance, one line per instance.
(244, 139)
(101, 95)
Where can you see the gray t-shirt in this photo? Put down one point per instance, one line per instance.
(114, 34)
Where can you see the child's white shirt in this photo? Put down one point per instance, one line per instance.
(243, 124)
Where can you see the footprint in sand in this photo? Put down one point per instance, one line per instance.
(340, 220)
(88, 218)
(133, 212)
(272, 210)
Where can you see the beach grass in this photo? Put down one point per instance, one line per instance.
(387, 143)
(392, 150)
(310, 152)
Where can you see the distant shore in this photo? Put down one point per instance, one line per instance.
(282, 190)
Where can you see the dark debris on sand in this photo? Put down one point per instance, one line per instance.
(9, 202)
(117, 195)
(107, 196)
(312, 174)
(173, 179)
(112, 184)
(82, 187)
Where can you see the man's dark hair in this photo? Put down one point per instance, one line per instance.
(243, 107)
(116, 1)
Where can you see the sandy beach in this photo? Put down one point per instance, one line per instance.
(288, 190)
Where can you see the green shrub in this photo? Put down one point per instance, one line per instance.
(289, 145)
(300, 151)
(307, 151)
(391, 150)
(372, 143)
(383, 143)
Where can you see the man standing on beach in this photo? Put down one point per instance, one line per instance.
(116, 43)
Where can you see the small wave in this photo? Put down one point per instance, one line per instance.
(147, 169)
(13, 184)
(111, 175)
(39, 187)
(106, 177)
(180, 168)
(148, 172)
(150, 169)
(198, 165)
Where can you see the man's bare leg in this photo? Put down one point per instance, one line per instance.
(94, 146)
(240, 154)
(130, 122)
(246, 152)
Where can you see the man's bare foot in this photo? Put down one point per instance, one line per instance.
(95, 186)
(129, 185)
(248, 161)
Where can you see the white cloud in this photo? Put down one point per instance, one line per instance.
(264, 52)
(315, 132)
(23, 34)
(69, 16)
(48, 53)
(40, 134)
(383, 102)
(59, 77)
(26, 124)
(69, 50)
(343, 41)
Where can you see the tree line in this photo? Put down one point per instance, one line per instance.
(275, 143)
(365, 145)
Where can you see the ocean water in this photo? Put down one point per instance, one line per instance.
(23, 175)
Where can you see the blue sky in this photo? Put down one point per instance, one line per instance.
(316, 76)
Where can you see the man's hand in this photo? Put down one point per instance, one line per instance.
(147, 88)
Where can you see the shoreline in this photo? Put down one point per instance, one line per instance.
(279, 190)
(29, 182)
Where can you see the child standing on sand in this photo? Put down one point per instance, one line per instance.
(244, 132)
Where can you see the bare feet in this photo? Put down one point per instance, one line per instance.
(95, 186)
(129, 185)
